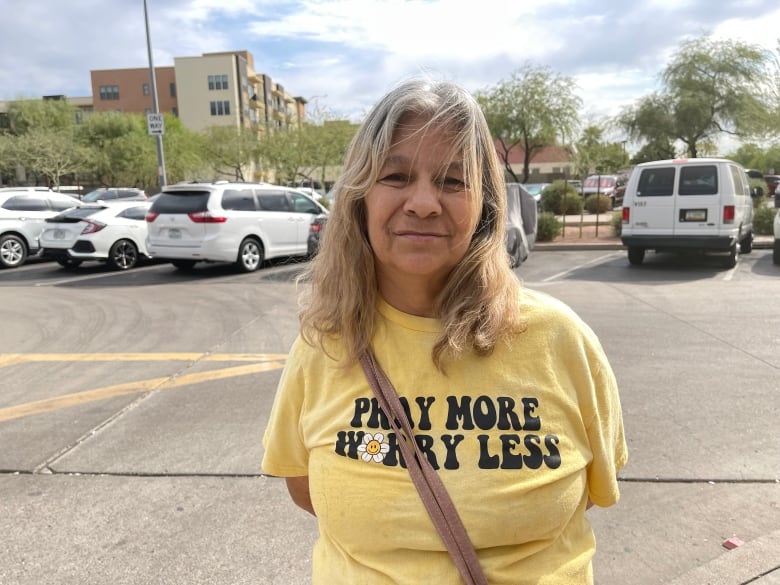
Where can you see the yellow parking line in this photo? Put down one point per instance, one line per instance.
(165, 383)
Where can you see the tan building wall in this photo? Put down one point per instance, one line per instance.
(129, 90)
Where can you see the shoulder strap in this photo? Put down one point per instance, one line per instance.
(428, 483)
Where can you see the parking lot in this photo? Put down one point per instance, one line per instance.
(132, 406)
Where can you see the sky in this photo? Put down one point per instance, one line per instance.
(342, 55)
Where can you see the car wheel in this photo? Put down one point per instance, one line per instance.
(733, 256)
(776, 253)
(250, 255)
(123, 255)
(184, 265)
(69, 262)
(636, 255)
(13, 251)
(746, 244)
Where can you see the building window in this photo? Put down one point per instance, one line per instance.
(220, 108)
(218, 82)
(109, 92)
(173, 89)
(146, 89)
(175, 111)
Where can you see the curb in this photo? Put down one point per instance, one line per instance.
(757, 561)
(763, 244)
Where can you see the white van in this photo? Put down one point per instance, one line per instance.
(688, 204)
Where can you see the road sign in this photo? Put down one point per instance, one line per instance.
(155, 124)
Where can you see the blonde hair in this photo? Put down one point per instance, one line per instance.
(478, 306)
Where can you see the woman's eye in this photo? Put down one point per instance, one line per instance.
(453, 184)
(394, 179)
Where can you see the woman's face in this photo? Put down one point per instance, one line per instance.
(420, 212)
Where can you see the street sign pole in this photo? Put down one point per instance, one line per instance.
(158, 116)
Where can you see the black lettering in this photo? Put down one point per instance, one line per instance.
(459, 415)
(451, 442)
(425, 442)
(507, 417)
(510, 459)
(377, 419)
(425, 407)
(486, 460)
(484, 413)
(553, 460)
(530, 422)
(362, 406)
(534, 458)
(347, 443)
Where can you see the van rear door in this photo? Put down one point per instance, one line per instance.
(698, 210)
(652, 209)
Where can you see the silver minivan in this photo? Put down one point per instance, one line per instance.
(241, 223)
(688, 204)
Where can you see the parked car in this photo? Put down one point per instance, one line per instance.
(316, 228)
(521, 218)
(772, 181)
(535, 189)
(115, 194)
(114, 233)
(776, 248)
(241, 223)
(613, 186)
(22, 215)
(688, 204)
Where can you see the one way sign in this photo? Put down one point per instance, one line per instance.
(155, 124)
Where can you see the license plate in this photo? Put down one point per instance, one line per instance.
(174, 233)
(59, 234)
(694, 215)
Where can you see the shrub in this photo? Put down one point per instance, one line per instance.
(617, 223)
(547, 227)
(554, 195)
(598, 203)
(763, 220)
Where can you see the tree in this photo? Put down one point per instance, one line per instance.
(533, 109)
(711, 87)
(596, 155)
(230, 150)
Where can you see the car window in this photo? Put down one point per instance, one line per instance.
(181, 202)
(655, 182)
(26, 203)
(62, 204)
(238, 199)
(270, 201)
(698, 180)
(138, 213)
(303, 204)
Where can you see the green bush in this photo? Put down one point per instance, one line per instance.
(763, 220)
(547, 227)
(598, 203)
(559, 193)
(617, 223)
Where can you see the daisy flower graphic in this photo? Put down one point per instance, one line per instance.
(373, 447)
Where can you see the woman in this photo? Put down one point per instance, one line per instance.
(508, 392)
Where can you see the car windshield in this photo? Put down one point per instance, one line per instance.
(605, 182)
(76, 213)
(181, 202)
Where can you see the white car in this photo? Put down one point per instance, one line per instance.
(776, 249)
(240, 223)
(114, 233)
(23, 211)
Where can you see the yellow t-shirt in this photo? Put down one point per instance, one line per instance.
(521, 439)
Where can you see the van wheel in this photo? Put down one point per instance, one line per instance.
(746, 244)
(731, 259)
(776, 253)
(250, 255)
(636, 255)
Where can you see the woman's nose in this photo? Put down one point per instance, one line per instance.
(423, 199)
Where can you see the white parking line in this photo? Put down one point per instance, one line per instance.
(580, 266)
(91, 276)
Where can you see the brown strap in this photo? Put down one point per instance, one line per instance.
(428, 483)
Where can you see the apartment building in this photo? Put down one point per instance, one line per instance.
(130, 90)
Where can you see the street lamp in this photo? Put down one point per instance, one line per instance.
(158, 132)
